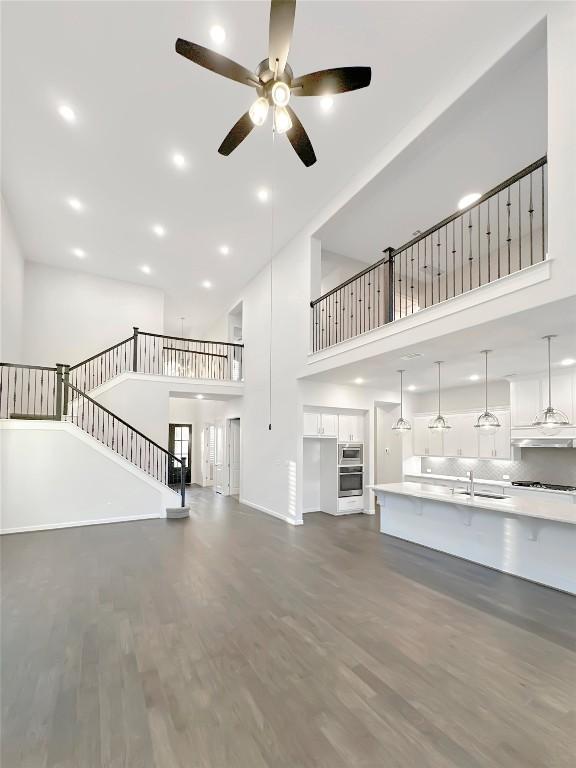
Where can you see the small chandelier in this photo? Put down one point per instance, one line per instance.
(487, 422)
(402, 425)
(439, 422)
(550, 420)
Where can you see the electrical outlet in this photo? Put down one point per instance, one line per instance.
(505, 477)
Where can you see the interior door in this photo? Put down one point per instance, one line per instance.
(234, 456)
(219, 459)
(208, 454)
(180, 444)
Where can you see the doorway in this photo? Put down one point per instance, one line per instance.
(234, 457)
(180, 445)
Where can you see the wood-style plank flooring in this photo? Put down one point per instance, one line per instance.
(232, 640)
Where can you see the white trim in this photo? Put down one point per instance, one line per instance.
(77, 524)
(206, 386)
(268, 511)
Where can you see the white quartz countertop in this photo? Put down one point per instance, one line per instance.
(521, 506)
(479, 481)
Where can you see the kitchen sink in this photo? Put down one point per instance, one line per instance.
(484, 495)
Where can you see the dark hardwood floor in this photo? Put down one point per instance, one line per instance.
(232, 640)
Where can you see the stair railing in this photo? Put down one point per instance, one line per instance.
(123, 438)
(30, 392)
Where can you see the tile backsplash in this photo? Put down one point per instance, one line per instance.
(546, 465)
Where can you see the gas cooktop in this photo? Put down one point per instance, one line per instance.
(548, 486)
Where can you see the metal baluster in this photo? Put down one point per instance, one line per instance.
(412, 279)
(438, 246)
(462, 254)
(488, 233)
(479, 253)
(470, 257)
(520, 223)
(531, 215)
(542, 203)
(508, 238)
(498, 228)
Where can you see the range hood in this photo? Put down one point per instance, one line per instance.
(554, 441)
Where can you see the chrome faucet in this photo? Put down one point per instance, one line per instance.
(471, 483)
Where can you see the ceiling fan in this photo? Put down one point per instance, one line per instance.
(275, 83)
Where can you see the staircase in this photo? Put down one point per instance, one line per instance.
(60, 393)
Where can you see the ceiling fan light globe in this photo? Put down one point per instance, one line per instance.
(259, 111)
(280, 94)
(282, 120)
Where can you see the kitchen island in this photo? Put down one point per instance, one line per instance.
(528, 538)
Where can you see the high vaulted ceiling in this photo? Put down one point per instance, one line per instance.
(137, 102)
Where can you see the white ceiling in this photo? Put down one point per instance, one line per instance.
(517, 345)
(497, 128)
(137, 101)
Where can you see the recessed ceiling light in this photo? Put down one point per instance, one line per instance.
(358, 381)
(199, 397)
(218, 34)
(75, 204)
(146, 269)
(474, 377)
(158, 230)
(206, 284)
(179, 161)
(67, 113)
(468, 200)
(326, 103)
(79, 253)
(568, 361)
(411, 387)
(263, 194)
(224, 250)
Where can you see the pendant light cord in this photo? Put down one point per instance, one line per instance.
(486, 378)
(549, 338)
(439, 409)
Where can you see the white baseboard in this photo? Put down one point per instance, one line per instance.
(78, 524)
(368, 511)
(272, 512)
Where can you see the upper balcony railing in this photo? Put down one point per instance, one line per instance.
(503, 232)
(155, 353)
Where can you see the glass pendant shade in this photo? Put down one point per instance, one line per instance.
(402, 425)
(487, 422)
(550, 420)
(282, 120)
(439, 423)
(259, 111)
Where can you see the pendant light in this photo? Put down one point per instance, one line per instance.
(439, 423)
(402, 425)
(487, 422)
(550, 419)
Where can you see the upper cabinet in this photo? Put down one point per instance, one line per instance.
(348, 428)
(529, 396)
(462, 440)
(351, 428)
(321, 424)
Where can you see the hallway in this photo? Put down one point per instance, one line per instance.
(232, 639)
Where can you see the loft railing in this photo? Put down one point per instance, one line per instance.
(155, 353)
(29, 391)
(503, 232)
(35, 392)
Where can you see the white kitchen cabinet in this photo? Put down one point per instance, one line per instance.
(529, 396)
(496, 446)
(461, 440)
(426, 442)
(321, 424)
(350, 428)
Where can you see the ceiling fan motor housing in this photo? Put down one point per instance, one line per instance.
(267, 79)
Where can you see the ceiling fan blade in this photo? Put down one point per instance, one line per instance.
(215, 62)
(280, 32)
(330, 81)
(236, 135)
(300, 141)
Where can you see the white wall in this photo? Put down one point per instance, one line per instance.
(11, 292)
(70, 315)
(76, 480)
(337, 268)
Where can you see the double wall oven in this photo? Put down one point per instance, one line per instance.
(350, 469)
